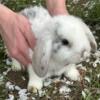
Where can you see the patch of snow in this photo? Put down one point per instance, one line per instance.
(86, 4)
(17, 88)
(64, 90)
(97, 61)
(11, 97)
(1, 79)
(6, 72)
(69, 83)
(87, 79)
(23, 78)
(84, 94)
(56, 80)
(86, 90)
(97, 54)
(41, 93)
(10, 86)
(23, 95)
(33, 98)
(91, 5)
(22, 91)
(55, 91)
(86, 14)
(75, 1)
(98, 75)
(34, 1)
(88, 60)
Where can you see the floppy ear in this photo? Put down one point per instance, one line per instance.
(90, 37)
(41, 56)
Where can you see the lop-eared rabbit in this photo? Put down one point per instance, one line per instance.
(61, 42)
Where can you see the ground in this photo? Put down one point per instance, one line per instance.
(13, 85)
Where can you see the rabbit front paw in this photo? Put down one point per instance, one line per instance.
(34, 85)
(73, 73)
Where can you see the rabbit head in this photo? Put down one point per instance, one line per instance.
(73, 40)
(68, 40)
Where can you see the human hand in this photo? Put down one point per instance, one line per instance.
(16, 32)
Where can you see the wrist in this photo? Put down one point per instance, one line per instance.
(59, 11)
(5, 14)
(56, 7)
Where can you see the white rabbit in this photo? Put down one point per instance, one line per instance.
(62, 41)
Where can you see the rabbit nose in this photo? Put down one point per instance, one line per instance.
(85, 55)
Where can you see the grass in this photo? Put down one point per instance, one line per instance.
(91, 90)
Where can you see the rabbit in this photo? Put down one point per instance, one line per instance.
(62, 41)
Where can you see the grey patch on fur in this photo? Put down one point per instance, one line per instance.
(56, 43)
(28, 13)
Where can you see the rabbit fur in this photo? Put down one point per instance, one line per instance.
(62, 42)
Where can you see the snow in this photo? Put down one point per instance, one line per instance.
(9, 86)
(41, 93)
(11, 97)
(23, 95)
(1, 79)
(6, 72)
(69, 83)
(98, 75)
(75, 1)
(83, 94)
(33, 98)
(97, 61)
(64, 90)
(17, 88)
(87, 79)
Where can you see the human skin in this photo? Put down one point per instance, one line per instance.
(56, 7)
(16, 31)
(17, 35)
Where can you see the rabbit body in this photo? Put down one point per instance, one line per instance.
(61, 42)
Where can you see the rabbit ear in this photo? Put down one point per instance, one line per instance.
(41, 56)
(90, 37)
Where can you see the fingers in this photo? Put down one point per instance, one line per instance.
(24, 52)
(20, 49)
(24, 40)
(27, 33)
(19, 38)
(23, 47)
(15, 53)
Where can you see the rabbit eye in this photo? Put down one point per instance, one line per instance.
(65, 42)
